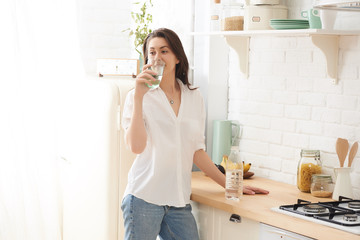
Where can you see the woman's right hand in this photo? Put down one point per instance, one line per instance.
(143, 78)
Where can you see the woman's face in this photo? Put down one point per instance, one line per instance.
(159, 48)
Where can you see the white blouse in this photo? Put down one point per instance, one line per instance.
(161, 174)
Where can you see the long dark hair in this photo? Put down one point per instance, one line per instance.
(182, 68)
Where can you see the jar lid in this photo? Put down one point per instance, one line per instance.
(232, 2)
(309, 153)
(235, 147)
(324, 177)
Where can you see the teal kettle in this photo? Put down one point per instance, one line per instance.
(225, 135)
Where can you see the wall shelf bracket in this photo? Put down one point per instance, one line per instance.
(326, 40)
(329, 45)
(241, 45)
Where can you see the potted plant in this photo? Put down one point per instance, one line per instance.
(142, 19)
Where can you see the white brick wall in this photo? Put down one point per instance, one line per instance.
(288, 103)
(101, 25)
(100, 30)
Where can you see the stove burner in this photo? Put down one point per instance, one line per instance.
(355, 205)
(350, 217)
(314, 208)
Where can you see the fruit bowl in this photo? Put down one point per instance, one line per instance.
(248, 175)
(245, 176)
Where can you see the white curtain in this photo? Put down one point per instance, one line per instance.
(39, 62)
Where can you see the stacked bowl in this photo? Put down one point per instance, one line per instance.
(289, 24)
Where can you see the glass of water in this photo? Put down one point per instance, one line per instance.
(158, 67)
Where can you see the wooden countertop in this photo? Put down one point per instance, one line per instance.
(258, 207)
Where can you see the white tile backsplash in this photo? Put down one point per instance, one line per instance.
(289, 103)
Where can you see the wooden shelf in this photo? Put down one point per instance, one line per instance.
(326, 40)
(283, 33)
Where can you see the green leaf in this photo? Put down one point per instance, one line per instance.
(142, 20)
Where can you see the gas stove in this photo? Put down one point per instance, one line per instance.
(343, 214)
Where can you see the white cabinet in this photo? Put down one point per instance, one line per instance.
(268, 232)
(214, 224)
(204, 216)
(226, 229)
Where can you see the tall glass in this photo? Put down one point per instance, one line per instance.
(157, 66)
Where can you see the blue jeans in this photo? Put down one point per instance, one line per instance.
(145, 221)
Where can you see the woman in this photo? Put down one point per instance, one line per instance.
(165, 126)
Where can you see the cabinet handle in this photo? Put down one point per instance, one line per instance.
(284, 234)
(235, 218)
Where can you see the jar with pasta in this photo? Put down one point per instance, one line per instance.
(309, 164)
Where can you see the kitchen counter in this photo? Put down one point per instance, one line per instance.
(258, 207)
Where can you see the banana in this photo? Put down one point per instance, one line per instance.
(228, 164)
(246, 167)
(224, 159)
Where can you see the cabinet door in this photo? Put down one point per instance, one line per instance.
(268, 232)
(204, 216)
(229, 230)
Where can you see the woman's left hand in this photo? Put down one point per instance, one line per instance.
(254, 190)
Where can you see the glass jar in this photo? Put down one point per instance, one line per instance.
(215, 21)
(321, 185)
(309, 164)
(232, 17)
